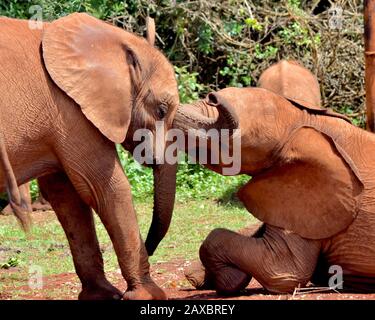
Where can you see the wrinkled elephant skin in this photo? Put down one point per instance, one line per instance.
(312, 187)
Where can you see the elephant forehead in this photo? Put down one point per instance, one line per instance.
(161, 77)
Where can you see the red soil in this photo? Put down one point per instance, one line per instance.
(171, 278)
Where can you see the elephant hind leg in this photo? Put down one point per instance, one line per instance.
(233, 280)
(228, 280)
(279, 260)
(226, 277)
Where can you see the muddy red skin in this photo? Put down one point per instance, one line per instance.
(69, 92)
(51, 135)
(313, 187)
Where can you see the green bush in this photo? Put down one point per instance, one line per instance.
(193, 181)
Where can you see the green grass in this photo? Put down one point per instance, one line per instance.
(47, 246)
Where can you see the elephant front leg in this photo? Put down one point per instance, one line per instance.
(106, 189)
(95, 172)
(118, 216)
(77, 221)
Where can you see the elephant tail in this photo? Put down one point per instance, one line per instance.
(18, 205)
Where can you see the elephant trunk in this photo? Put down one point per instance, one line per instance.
(192, 116)
(164, 196)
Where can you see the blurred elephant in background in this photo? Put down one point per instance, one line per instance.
(312, 186)
(294, 82)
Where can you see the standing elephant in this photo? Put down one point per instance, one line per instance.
(312, 186)
(68, 93)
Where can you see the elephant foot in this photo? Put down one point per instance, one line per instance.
(198, 277)
(149, 291)
(230, 281)
(102, 292)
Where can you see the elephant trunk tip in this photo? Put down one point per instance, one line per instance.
(194, 116)
(150, 247)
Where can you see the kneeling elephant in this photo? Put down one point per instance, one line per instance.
(312, 186)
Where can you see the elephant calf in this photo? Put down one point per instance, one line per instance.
(68, 93)
(313, 186)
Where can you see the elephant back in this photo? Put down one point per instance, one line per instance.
(297, 84)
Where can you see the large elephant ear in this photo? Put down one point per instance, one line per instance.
(315, 191)
(88, 60)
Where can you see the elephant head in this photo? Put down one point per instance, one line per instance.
(296, 158)
(121, 83)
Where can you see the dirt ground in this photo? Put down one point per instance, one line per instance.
(170, 277)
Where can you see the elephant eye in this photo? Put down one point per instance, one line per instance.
(161, 112)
